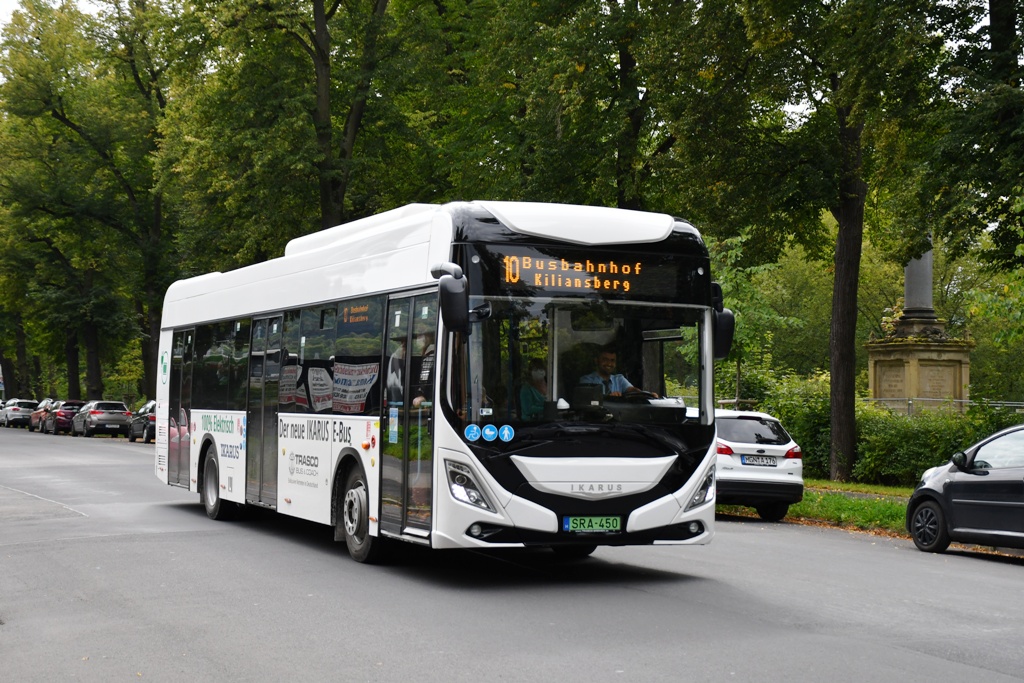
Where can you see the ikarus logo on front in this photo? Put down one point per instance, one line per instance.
(165, 367)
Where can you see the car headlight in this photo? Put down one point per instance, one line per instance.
(464, 487)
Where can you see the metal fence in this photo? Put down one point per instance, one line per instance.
(911, 406)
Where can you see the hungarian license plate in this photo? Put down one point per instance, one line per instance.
(592, 524)
(760, 460)
(113, 426)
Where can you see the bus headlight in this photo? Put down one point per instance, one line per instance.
(463, 487)
(705, 492)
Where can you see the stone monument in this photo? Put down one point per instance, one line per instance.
(917, 366)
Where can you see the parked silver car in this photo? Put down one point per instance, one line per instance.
(102, 417)
(17, 412)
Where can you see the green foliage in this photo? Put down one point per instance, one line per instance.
(895, 449)
(802, 405)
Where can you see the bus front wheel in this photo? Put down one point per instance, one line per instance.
(354, 519)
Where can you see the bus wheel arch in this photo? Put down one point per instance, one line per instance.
(209, 484)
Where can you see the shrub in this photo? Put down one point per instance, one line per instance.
(802, 405)
(895, 449)
(892, 448)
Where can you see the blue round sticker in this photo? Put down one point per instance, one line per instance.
(472, 432)
(506, 433)
(490, 432)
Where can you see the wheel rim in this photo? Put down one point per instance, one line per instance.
(354, 511)
(926, 525)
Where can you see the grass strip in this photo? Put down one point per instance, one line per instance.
(879, 509)
(865, 512)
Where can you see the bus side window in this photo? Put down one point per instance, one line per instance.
(316, 350)
(358, 350)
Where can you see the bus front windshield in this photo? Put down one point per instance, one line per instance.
(538, 360)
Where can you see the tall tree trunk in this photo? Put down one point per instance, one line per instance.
(1003, 41)
(12, 389)
(93, 370)
(154, 262)
(330, 191)
(71, 363)
(367, 68)
(849, 213)
(636, 112)
(37, 378)
(24, 376)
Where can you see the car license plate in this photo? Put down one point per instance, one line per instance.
(760, 460)
(113, 426)
(592, 524)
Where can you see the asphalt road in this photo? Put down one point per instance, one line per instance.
(107, 575)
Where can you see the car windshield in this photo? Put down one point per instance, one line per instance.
(538, 360)
(752, 429)
(110, 406)
(25, 404)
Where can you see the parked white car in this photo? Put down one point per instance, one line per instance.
(759, 464)
(17, 412)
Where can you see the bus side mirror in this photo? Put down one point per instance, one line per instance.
(717, 298)
(725, 326)
(454, 303)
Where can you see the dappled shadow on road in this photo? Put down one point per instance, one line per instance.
(466, 569)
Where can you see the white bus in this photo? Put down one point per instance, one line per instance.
(433, 374)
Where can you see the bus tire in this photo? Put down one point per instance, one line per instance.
(573, 552)
(353, 519)
(209, 492)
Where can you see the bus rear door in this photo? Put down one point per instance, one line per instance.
(179, 436)
(261, 412)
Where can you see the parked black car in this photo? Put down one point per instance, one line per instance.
(977, 497)
(143, 423)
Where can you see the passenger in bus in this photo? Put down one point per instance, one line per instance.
(424, 385)
(396, 372)
(533, 394)
(604, 375)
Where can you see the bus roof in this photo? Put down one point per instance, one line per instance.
(404, 243)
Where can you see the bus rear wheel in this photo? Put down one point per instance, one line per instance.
(354, 519)
(209, 492)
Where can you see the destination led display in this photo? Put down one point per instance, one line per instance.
(535, 271)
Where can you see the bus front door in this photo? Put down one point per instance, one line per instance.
(179, 436)
(261, 412)
(407, 429)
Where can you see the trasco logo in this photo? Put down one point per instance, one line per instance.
(303, 465)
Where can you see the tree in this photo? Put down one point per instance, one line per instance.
(975, 187)
(805, 97)
(83, 95)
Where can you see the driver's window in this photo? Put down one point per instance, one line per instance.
(1006, 451)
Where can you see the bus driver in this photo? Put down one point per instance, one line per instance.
(604, 375)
